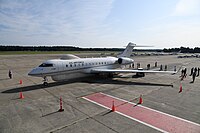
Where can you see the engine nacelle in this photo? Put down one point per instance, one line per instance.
(124, 60)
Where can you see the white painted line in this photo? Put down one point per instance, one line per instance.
(141, 122)
(127, 116)
(95, 103)
(153, 110)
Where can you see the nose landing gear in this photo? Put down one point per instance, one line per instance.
(45, 81)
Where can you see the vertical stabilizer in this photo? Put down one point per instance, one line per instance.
(128, 51)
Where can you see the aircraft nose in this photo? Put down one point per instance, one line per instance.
(33, 72)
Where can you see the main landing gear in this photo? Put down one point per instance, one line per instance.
(138, 74)
(45, 81)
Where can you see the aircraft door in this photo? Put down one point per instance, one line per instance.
(54, 68)
(60, 66)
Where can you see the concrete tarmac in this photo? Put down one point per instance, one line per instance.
(38, 111)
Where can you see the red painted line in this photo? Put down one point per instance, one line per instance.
(150, 117)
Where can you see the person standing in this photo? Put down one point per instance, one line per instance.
(185, 72)
(182, 73)
(165, 67)
(198, 72)
(191, 71)
(174, 68)
(194, 74)
(10, 74)
(156, 63)
(161, 67)
(148, 66)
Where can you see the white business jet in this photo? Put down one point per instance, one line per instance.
(72, 66)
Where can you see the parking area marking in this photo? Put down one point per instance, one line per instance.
(153, 118)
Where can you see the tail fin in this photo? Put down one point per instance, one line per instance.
(128, 51)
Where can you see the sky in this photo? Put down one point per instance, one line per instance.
(100, 23)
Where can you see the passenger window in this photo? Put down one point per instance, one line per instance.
(75, 65)
(66, 65)
(71, 65)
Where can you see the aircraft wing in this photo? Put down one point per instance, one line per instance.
(128, 71)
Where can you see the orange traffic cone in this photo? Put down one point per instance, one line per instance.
(21, 96)
(20, 82)
(140, 100)
(113, 107)
(181, 88)
(61, 109)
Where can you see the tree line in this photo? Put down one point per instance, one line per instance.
(63, 48)
(183, 50)
(72, 48)
(53, 48)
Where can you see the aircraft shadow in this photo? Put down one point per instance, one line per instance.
(121, 82)
(35, 87)
(88, 80)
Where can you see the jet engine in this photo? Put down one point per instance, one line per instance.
(124, 60)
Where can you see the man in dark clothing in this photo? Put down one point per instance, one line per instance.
(198, 71)
(194, 74)
(191, 71)
(148, 66)
(10, 74)
(175, 68)
(161, 68)
(156, 63)
(182, 72)
(185, 72)
(165, 67)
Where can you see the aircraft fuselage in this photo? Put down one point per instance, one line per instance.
(61, 70)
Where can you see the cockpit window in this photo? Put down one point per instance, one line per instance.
(46, 65)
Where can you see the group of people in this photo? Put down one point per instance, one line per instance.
(183, 73)
(161, 68)
(194, 73)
